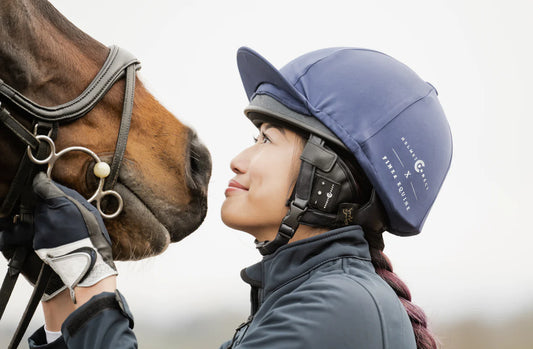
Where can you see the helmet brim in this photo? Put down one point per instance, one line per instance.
(255, 70)
(264, 108)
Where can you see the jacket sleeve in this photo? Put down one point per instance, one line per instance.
(333, 313)
(105, 321)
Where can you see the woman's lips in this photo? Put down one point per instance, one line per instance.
(234, 186)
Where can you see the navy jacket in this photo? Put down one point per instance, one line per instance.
(322, 292)
(104, 322)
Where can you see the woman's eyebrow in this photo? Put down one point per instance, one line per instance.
(267, 126)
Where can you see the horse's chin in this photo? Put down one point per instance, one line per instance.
(137, 233)
(148, 222)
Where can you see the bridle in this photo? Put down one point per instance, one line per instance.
(18, 204)
(19, 201)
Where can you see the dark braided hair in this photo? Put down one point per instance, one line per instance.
(373, 227)
(424, 338)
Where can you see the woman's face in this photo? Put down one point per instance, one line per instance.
(265, 174)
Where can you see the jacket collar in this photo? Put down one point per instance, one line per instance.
(297, 258)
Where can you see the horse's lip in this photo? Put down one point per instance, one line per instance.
(148, 237)
(120, 185)
(124, 185)
(178, 221)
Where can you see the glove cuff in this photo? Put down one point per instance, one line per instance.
(77, 264)
(99, 272)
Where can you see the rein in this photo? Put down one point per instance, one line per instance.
(19, 201)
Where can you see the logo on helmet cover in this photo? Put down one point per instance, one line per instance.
(412, 183)
(419, 166)
(399, 185)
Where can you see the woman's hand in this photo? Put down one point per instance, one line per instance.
(70, 236)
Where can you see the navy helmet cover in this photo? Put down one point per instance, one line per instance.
(376, 107)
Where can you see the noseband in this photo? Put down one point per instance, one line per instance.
(19, 201)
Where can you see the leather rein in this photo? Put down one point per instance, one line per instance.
(19, 201)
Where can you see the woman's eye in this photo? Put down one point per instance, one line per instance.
(262, 139)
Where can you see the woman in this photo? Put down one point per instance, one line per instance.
(351, 143)
(375, 147)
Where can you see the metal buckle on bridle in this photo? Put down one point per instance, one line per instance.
(36, 130)
(23, 217)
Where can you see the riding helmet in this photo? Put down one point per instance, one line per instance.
(365, 104)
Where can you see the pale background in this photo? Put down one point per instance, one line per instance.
(471, 263)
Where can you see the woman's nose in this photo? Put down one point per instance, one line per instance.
(239, 164)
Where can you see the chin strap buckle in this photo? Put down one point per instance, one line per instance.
(290, 222)
(286, 231)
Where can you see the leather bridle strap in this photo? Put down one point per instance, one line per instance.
(19, 257)
(38, 291)
(25, 171)
(25, 174)
(124, 129)
(112, 70)
(18, 129)
(13, 271)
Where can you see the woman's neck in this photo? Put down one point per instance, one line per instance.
(305, 231)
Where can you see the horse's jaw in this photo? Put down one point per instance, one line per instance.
(137, 233)
(153, 216)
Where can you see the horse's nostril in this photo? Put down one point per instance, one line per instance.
(194, 159)
(199, 169)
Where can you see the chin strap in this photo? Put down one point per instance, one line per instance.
(314, 155)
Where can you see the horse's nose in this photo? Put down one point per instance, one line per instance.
(199, 165)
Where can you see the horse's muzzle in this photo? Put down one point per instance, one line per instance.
(198, 169)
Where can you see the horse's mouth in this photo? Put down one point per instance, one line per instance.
(180, 219)
(142, 233)
(149, 222)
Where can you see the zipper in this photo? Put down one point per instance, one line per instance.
(238, 329)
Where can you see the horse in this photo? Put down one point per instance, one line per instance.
(165, 171)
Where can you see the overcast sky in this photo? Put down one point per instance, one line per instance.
(473, 256)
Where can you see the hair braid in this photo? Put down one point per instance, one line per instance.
(424, 338)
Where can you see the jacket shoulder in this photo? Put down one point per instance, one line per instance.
(339, 310)
(362, 305)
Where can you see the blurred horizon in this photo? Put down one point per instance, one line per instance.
(210, 330)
